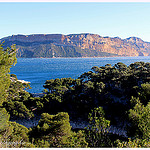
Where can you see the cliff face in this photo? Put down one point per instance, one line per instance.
(76, 45)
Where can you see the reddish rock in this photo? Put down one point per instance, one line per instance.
(132, 46)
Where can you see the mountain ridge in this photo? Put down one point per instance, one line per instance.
(76, 45)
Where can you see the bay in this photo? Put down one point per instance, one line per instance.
(38, 70)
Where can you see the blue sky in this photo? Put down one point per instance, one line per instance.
(106, 19)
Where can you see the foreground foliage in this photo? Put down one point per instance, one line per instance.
(55, 131)
(116, 95)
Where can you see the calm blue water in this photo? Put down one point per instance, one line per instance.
(38, 70)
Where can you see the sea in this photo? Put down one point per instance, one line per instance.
(38, 70)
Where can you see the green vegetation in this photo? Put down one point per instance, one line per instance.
(7, 58)
(46, 49)
(55, 131)
(9, 131)
(139, 128)
(107, 96)
(97, 131)
(17, 96)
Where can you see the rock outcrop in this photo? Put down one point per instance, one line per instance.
(76, 45)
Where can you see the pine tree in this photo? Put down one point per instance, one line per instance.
(7, 59)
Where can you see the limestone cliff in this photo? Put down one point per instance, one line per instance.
(76, 45)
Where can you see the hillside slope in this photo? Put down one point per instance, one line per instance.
(76, 45)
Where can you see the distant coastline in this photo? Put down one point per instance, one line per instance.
(76, 45)
(82, 57)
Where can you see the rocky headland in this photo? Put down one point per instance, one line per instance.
(76, 45)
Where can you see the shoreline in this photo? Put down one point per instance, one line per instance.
(81, 57)
(37, 94)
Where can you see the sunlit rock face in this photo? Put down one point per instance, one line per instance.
(96, 45)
